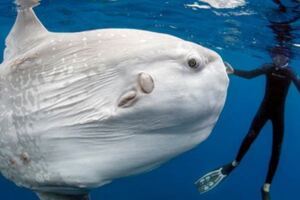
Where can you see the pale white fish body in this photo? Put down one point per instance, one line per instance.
(78, 110)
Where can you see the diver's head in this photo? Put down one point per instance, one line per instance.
(280, 60)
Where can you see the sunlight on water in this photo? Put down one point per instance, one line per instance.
(221, 4)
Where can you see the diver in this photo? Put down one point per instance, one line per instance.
(279, 77)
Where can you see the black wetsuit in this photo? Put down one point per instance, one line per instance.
(271, 108)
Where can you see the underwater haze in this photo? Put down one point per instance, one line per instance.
(246, 34)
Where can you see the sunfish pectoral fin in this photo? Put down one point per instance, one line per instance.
(128, 99)
(145, 82)
(53, 196)
(26, 31)
(145, 85)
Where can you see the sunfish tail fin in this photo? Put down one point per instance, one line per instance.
(26, 31)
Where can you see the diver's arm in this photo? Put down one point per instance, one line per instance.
(295, 79)
(252, 73)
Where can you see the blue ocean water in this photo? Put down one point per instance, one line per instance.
(243, 36)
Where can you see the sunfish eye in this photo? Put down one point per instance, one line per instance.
(192, 62)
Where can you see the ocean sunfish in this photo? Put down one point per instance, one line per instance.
(78, 110)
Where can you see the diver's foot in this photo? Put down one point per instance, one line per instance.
(265, 192)
(213, 178)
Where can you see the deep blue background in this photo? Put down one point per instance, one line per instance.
(242, 37)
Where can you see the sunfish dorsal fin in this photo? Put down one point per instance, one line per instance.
(26, 31)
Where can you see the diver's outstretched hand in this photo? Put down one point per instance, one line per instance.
(229, 68)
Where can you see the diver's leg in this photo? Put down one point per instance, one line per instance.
(213, 178)
(276, 150)
(278, 132)
(257, 124)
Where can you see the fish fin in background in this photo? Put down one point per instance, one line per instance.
(51, 196)
(26, 31)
